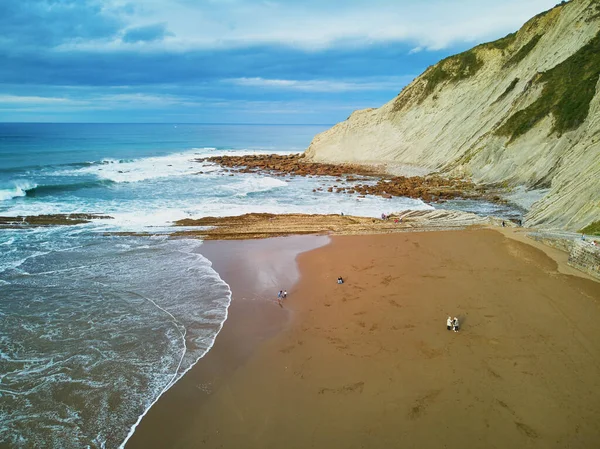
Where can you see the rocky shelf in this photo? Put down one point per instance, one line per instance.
(32, 221)
(357, 179)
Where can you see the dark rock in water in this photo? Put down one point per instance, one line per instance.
(426, 188)
(32, 221)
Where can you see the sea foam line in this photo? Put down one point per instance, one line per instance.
(175, 377)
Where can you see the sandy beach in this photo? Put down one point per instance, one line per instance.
(370, 363)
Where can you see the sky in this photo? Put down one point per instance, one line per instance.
(229, 61)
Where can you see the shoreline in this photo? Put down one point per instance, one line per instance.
(181, 420)
(253, 317)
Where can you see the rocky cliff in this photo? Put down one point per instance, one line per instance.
(523, 111)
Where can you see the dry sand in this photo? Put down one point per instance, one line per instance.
(370, 364)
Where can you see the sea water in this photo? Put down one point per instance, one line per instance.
(95, 326)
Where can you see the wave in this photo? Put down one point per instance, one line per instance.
(142, 169)
(31, 189)
(157, 167)
(19, 189)
(255, 185)
(39, 167)
(53, 189)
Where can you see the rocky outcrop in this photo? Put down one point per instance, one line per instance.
(520, 111)
(355, 179)
(256, 226)
(585, 256)
(287, 164)
(33, 221)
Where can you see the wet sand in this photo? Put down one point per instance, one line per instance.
(255, 271)
(370, 363)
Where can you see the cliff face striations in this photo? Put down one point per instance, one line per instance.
(521, 111)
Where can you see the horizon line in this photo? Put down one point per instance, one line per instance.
(166, 123)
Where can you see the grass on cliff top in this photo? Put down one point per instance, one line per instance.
(591, 229)
(455, 68)
(501, 44)
(466, 64)
(568, 90)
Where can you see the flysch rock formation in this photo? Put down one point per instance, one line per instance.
(522, 112)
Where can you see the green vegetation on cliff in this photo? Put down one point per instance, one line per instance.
(452, 69)
(455, 68)
(592, 229)
(523, 51)
(501, 44)
(568, 90)
(508, 90)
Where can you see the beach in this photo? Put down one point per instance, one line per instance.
(369, 363)
(109, 299)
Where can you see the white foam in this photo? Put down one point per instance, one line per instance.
(254, 184)
(9, 242)
(173, 165)
(14, 264)
(135, 170)
(19, 189)
(242, 152)
(178, 375)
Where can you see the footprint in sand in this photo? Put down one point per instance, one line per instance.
(526, 430)
(346, 389)
(287, 349)
(422, 404)
(387, 279)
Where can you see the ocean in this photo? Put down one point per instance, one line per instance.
(95, 326)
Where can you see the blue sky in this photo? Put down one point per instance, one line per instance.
(229, 61)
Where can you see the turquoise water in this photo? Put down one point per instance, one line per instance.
(95, 327)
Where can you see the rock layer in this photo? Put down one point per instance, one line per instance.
(520, 111)
(256, 226)
(33, 221)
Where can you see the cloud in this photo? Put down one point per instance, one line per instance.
(148, 33)
(316, 25)
(28, 100)
(153, 58)
(308, 24)
(48, 23)
(149, 68)
(330, 86)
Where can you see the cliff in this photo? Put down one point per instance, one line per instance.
(521, 111)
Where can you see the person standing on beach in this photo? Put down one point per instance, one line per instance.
(449, 324)
(455, 324)
(284, 294)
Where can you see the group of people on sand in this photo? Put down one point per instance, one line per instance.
(385, 216)
(452, 324)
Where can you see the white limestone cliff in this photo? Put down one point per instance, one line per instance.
(462, 117)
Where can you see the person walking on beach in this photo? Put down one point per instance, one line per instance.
(340, 280)
(449, 324)
(284, 294)
(455, 324)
